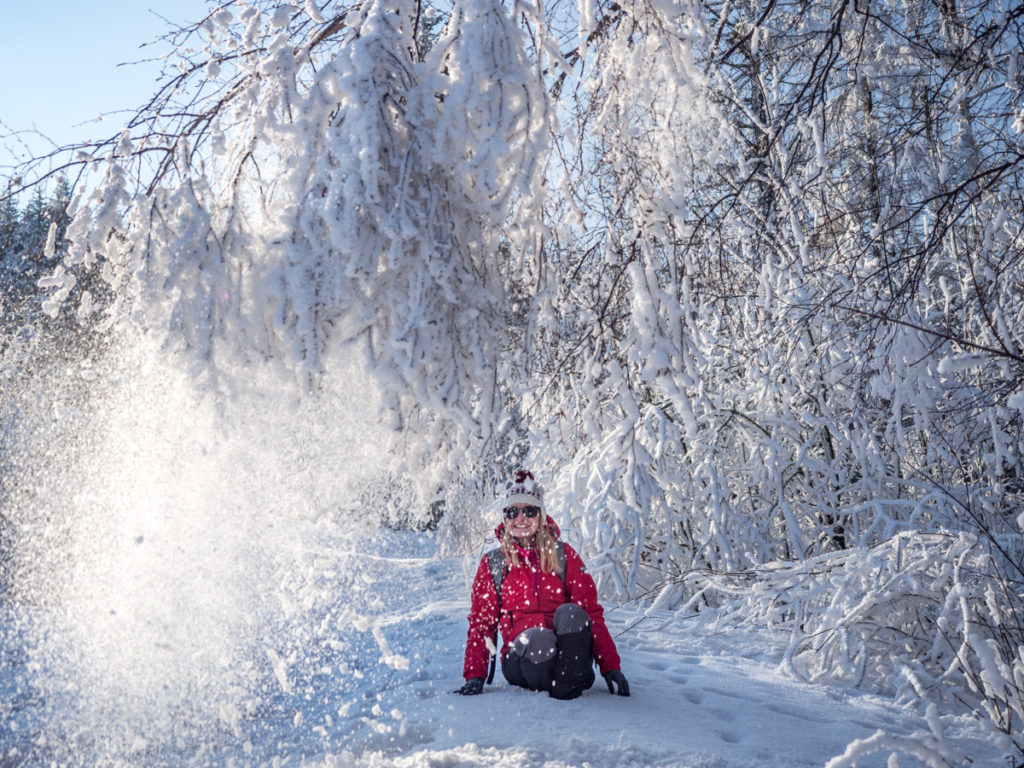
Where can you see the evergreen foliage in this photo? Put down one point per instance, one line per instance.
(33, 241)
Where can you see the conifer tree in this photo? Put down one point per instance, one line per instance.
(10, 221)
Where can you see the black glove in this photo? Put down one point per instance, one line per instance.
(616, 678)
(472, 687)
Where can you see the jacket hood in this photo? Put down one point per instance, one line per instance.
(556, 532)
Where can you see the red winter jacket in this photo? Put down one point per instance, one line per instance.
(529, 598)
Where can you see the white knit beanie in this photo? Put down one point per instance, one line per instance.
(524, 490)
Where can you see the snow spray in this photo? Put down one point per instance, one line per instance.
(159, 535)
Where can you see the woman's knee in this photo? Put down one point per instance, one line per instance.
(535, 645)
(530, 661)
(570, 618)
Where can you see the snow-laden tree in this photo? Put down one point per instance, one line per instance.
(802, 336)
(750, 277)
(316, 177)
(801, 305)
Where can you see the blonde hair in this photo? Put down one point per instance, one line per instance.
(547, 550)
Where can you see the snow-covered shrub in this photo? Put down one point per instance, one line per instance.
(935, 617)
(930, 747)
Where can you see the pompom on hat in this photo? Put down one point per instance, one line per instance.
(525, 490)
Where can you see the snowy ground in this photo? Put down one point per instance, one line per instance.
(370, 683)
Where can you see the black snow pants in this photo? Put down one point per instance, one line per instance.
(560, 662)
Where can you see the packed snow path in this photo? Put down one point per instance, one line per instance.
(378, 693)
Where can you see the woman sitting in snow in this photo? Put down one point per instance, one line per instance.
(551, 623)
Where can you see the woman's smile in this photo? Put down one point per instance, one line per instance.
(524, 526)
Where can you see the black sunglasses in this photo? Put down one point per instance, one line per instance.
(511, 513)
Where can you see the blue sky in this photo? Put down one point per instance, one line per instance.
(59, 66)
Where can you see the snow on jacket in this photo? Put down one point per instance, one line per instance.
(529, 598)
